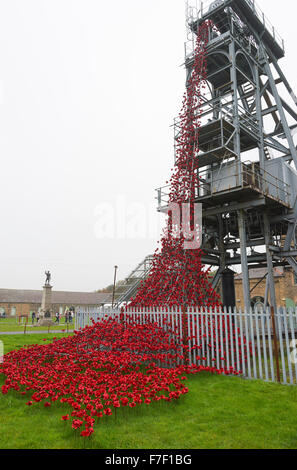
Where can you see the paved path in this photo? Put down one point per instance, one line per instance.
(39, 332)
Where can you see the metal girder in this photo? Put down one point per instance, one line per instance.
(269, 104)
(270, 142)
(270, 110)
(216, 278)
(222, 254)
(234, 207)
(285, 81)
(270, 270)
(258, 283)
(211, 260)
(281, 112)
(287, 254)
(291, 232)
(263, 90)
(249, 243)
(281, 135)
(250, 259)
(244, 260)
(285, 105)
(243, 99)
(293, 263)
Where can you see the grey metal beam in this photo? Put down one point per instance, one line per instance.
(249, 243)
(233, 76)
(259, 112)
(211, 260)
(222, 253)
(281, 112)
(234, 207)
(285, 81)
(216, 278)
(270, 142)
(286, 254)
(293, 263)
(269, 262)
(287, 107)
(251, 259)
(244, 261)
(269, 104)
(243, 99)
(266, 292)
(291, 234)
(270, 110)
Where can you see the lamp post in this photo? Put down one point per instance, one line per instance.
(114, 284)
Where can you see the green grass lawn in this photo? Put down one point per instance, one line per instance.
(11, 324)
(218, 412)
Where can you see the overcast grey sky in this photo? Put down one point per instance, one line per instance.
(89, 89)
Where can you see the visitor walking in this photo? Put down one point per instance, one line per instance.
(57, 318)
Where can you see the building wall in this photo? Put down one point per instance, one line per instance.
(285, 289)
(288, 288)
(18, 309)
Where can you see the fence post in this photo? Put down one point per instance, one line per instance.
(122, 315)
(275, 345)
(184, 332)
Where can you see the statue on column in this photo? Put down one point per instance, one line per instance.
(48, 278)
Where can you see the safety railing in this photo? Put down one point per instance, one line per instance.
(241, 175)
(234, 176)
(206, 6)
(220, 136)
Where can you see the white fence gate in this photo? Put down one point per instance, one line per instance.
(234, 340)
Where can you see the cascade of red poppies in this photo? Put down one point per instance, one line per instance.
(106, 366)
(177, 276)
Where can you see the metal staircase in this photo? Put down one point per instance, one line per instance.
(248, 95)
(129, 288)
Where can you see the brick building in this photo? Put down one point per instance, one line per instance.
(285, 287)
(16, 302)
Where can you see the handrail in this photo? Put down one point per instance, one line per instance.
(264, 181)
(205, 5)
(261, 175)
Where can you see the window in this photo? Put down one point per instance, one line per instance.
(295, 278)
(258, 304)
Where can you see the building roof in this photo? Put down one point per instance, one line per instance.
(58, 297)
(259, 273)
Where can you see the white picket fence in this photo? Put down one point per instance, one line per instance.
(223, 339)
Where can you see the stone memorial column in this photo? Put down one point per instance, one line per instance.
(46, 303)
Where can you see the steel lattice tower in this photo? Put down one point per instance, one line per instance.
(247, 158)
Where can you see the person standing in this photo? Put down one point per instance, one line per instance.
(57, 318)
(33, 317)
